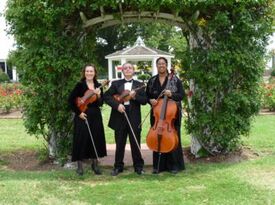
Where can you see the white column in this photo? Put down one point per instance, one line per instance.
(154, 66)
(169, 64)
(6, 67)
(122, 61)
(14, 74)
(110, 69)
(273, 61)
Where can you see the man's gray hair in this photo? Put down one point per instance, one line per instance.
(128, 64)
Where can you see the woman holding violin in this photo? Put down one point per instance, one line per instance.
(88, 137)
(125, 97)
(159, 87)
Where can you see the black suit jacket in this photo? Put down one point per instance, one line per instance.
(117, 119)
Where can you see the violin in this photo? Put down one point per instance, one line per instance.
(88, 97)
(162, 136)
(125, 95)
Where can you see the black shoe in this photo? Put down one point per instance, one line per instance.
(95, 167)
(116, 171)
(155, 171)
(80, 172)
(140, 171)
(174, 171)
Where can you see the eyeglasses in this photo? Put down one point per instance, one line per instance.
(127, 67)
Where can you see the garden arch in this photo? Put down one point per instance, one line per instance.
(226, 45)
(123, 17)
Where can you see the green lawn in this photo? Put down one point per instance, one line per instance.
(247, 182)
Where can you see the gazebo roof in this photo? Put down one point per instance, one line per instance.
(139, 49)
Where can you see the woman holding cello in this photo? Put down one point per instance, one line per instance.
(88, 137)
(160, 87)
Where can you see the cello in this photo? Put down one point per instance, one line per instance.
(162, 136)
(88, 97)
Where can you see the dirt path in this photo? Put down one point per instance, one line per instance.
(28, 160)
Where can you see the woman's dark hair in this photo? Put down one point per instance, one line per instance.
(162, 59)
(84, 69)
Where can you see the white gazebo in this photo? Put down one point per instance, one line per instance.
(136, 53)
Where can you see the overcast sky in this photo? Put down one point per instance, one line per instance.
(6, 42)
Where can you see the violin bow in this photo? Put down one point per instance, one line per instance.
(126, 116)
(86, 121)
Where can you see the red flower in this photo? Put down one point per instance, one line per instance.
(190, 93)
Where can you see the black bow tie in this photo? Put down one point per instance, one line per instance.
(128, 81)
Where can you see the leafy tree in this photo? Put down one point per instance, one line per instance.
(226, 64)
(52, 48)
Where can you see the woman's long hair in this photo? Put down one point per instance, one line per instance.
(162, 59)
(84, 69)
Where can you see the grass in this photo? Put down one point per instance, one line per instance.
(13, 136)
(262, 135)
(247, 182)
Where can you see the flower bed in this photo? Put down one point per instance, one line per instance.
(11, 96)
(268, 97)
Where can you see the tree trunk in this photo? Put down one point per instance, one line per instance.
(196, 146)
(52, 144)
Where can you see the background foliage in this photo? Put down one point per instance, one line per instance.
(226, 63)
(227, 67)
(3, 76)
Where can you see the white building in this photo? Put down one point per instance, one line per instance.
(138, 52)
(271, 48)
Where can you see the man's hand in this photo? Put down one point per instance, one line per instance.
(132, 94)
(121, 108)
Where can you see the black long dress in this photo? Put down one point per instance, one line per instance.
(82, 143)
(172, 160)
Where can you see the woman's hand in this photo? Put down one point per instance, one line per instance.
(83, 116)
(97, 91)
(153, 102)
(168, 93)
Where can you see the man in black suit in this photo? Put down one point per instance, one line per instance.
(118, 118)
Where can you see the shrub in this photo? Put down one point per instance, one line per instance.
(144, 77)
(3, 77)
